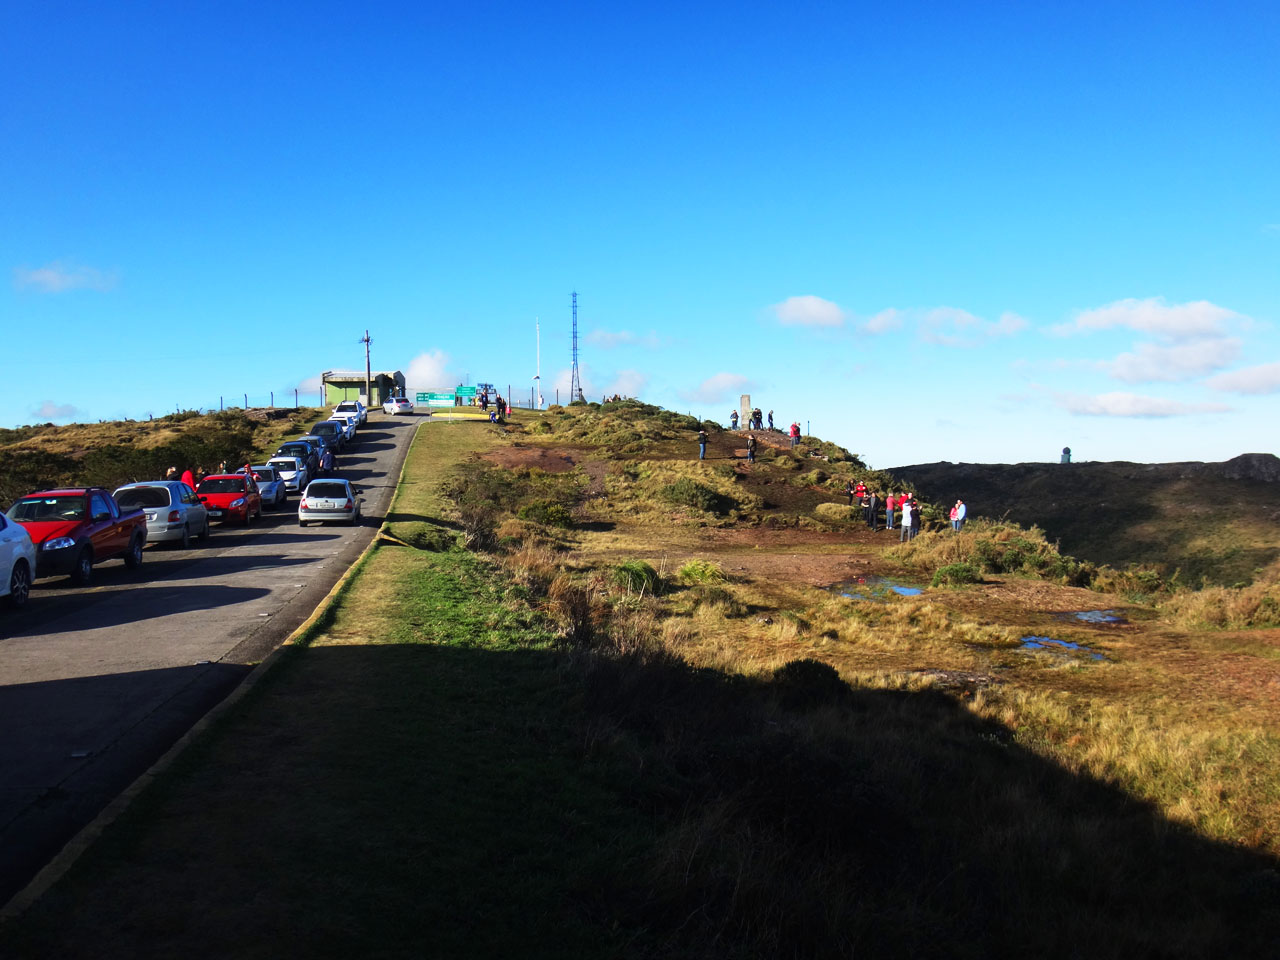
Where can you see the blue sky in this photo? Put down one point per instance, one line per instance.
(926, 231)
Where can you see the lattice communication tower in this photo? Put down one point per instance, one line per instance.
(575, 385)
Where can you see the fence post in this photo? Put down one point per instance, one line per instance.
(246, 401)
(273, 399)
(295, 399)
(557, 396)
(220, 406)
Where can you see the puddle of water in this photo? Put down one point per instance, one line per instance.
(876, 589)
(1050, 644)
(1096, 616)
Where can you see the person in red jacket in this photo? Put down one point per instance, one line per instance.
(890, 502)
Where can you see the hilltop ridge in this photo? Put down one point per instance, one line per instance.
(1214, 520)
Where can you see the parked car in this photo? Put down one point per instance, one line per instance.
(292, 471)
(353, 406)
(319, 444)
(304, 452)
(332, 432)
(271, 484)
(17, 563)
(74, 528)
(397, 405)
(331, 499)
(350, 423)
(231, 496)
(174, 513)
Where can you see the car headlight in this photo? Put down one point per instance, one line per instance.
(59, 543)
(237, 503)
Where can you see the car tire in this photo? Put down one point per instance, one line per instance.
(19, 585)
(83, 571)
(248, 516)
(302, 523)
(185, 542)
(204, 534)
(133, 558)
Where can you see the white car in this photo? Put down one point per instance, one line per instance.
(293, 471)
(353, 406)
(397, 405)
(17, 562)
(349, 422)
(331, 499)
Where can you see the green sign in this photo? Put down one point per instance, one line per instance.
(423, 397)
(436, 399)
(466, 391)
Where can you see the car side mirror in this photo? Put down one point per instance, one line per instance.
(204, 499)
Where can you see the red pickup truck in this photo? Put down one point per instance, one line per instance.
(76, 528)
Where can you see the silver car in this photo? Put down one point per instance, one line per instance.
(17, 562)
(331, 499)
(174, 512)
(293, 471)
(270, 484)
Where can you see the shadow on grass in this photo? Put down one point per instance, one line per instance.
(414, 799)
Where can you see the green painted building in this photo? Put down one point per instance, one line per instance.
(342, 385)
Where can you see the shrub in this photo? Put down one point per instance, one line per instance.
(546, 512)
(954, 574)
(801, 684)
(636, 576)
(689, 493)
(836, 512)
(702, 571)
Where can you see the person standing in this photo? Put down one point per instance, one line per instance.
(873, 511)
(955, 527)
(702, 444)
(905, 533)
(770, 419)
(848, 490)
(890, 502)
(961, 513)
(751, 448)
(189, 478)
(795, 434)
(915, 520)
(733, 420)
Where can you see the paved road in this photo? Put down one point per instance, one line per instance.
(97, 682)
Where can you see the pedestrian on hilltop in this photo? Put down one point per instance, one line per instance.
(771, 420)
(751, 448)
(890, 503)
(958, 513)
(702, 444)
(733, 420)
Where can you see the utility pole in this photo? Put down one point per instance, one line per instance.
(368, 378)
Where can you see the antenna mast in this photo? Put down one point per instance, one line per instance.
(575, 384)
(368, 386)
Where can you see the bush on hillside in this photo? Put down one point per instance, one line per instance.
(955, 574)
(546, 512)
(702, 571)
(689, 493)
(636, 576)
(836, 512)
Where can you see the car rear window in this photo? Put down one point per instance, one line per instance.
(289, 465)
(143, 497)
(222, 485)
(325, 426)
(327, 491)
(264, 474)
(48, 508)
(347, 406)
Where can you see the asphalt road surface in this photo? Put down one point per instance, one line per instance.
(97, 682)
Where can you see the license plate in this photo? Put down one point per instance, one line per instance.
(151, 516)
(215, 513)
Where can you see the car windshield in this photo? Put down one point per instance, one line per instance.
(327, 491)
(285, 466)
(222, 485)
(48, 508)
(132, 497)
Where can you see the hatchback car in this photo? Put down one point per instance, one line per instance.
(17, 562)
(174, 512)
(329, 500)
(350, 423)
(271, 484)
(304, 452)
(397, 405)
(231, 496)
(292, 471)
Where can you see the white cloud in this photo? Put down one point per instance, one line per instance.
(953, 327)
(51, 410)
(628, 383)
(884, 321)
(1180, 321)
(311, 385)
(430, 370)
(809, 311)
(1181, 361)
(59, 277)
(1253, 380)
(718, 388)
(622, 338)
(1132, 405)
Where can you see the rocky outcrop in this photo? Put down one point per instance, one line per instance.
(1251, 466)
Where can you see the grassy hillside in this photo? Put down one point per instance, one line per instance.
(1216, 522)
(590, 696)
(120, 451)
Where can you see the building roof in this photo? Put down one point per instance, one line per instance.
(357, 374)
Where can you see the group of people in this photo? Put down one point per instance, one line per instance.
(499, 411)
(902, 506)
(755, 420)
